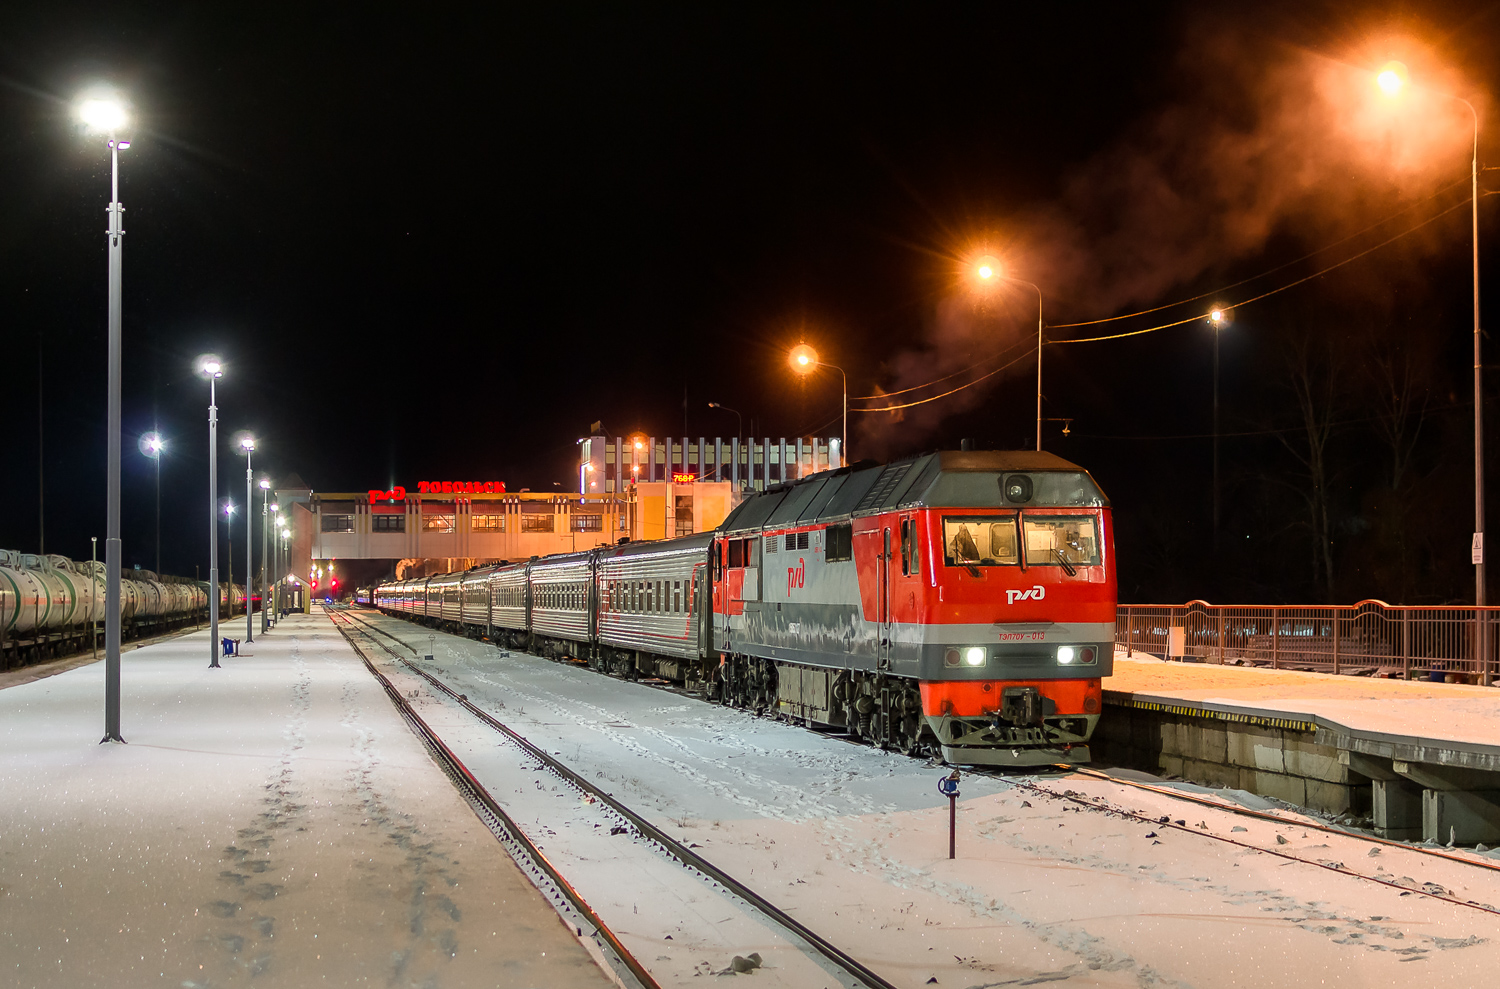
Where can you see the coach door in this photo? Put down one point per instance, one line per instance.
(883, 654)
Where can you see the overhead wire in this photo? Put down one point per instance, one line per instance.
(1190, 319)
(1269, 271)
(934, 398)
(1274, 291)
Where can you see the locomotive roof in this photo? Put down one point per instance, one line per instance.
(949, 478)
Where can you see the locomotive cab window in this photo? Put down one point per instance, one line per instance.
(979, 541)
(839, 543)
(1067, 541)
(909, 558)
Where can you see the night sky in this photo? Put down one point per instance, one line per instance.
(439, 242)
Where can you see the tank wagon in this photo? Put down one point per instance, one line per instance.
(48, 604)
(960, 603)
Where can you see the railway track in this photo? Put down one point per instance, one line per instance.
(852, 973)
(1100, 805)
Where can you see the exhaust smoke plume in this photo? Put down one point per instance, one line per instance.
(1275, 141)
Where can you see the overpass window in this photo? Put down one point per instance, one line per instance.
(588, 523)
(388, 523)
(338, 523)
(488, 523)
(537, 523)
(437, 523)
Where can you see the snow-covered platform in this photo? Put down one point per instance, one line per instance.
(271, 822)
(1421, 758)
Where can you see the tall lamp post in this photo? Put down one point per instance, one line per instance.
(805, 361)
(213, 369)
(247, 444)
(1218, 319)
(275, 562)
(229, 570)
(152, 445)
(1392, 79)
(107, 116)
(988, 272)
(265, 529)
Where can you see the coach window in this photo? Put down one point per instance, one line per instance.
(677, 597)
(986, 541)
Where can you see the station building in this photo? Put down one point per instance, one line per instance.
(637, 488)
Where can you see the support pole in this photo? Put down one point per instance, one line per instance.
(112, 549)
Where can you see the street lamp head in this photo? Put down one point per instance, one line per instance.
(229, 508)
(275, 507)
(210, 366)
(152, 445)
(1392, 78)
(987, 269)
(804, 359)
(247, 444)
(265, 484)
(1218, 317)
(103, 113)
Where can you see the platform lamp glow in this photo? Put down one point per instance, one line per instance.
(1392, 80)
(265, 530)
(988, 271)
(804, 360)
(104, 114)
(213, 369)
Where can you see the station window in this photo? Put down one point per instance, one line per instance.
(588, 523)
(388, 523)
(488, 523)
(437, 523)
(338, 523)
(839, 543)
(538, 523)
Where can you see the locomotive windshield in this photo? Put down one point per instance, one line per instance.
(990, 541)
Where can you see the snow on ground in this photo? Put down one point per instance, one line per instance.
(1451, 711)
(270, 823)
(853, 842)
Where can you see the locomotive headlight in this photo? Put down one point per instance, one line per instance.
(974, 656)
(1066, 654)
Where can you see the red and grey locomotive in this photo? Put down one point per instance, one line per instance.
(957, 602)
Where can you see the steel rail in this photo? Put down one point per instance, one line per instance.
(671, 845)
(475, 792)
(1331, 867)
(1278, 819)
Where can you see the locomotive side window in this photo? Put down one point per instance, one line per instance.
(984, 541)
(1067, 541)
(909, 557)
(736, 553)
(839, 543)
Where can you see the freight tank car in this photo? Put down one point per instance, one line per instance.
(961, 603)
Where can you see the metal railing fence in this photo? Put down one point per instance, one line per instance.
(1456, 644)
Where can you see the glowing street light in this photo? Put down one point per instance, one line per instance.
(988, 271)
(804, 360)
(104, 114)
(1392, 79)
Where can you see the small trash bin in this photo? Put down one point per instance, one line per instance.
(229, 647)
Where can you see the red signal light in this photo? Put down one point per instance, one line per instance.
(335, 584)
(315, 585)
